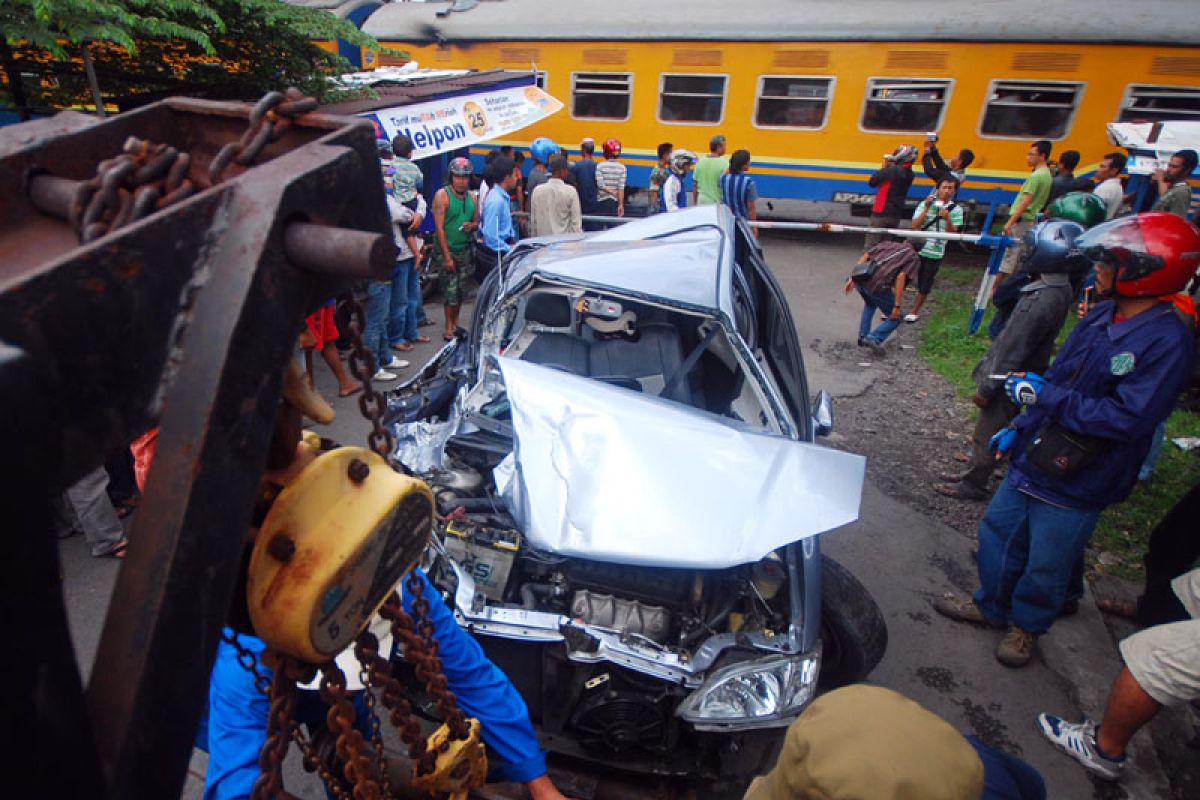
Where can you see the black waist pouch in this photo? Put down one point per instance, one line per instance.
(1063, 453)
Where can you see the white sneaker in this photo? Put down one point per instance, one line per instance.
(384, 375)
(911, 318)
(1078, 740)
(395, 363)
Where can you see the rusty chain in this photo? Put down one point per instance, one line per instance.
(420, 650)
(371, 402)
(313, 762)
(146, 177)
(269, 784)
(271, 116)
(366, 650)
(350, 741)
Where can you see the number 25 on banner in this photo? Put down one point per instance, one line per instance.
(476, 119)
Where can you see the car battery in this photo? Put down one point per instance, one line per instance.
(485, 552)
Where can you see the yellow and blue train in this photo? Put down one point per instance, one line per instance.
(818, 91)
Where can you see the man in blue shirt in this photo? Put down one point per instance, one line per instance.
(737, 187)
(237, 711)
(583, 173)
(495, 220)
(1087, 426)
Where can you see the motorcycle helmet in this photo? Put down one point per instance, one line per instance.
(612, 148)
(1083, 207)
(1050, 248)
(681, 160)
(542, 149)
(904, 154)
(460, 166)
(1154, 253)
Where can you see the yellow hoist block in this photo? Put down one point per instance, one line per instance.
(333, 546)
(462, 766)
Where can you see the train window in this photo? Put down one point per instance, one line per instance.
(601, 95)
(792, 101)
(1030, 109)
(692, 98)
(905, 104)
(539, 79)
(1153, 103)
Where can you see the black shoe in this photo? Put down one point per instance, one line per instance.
(862, 342)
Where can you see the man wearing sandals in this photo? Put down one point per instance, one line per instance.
(85, 508)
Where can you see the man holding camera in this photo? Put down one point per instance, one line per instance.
(938, 169)
(892, 181)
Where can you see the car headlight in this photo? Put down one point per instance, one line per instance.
(757, 693)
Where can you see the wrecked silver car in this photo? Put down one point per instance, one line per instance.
(623, 451)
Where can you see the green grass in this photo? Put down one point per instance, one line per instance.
(1121, 534)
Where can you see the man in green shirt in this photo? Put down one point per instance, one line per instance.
(1030, 200)
(708, 172)
(1174, 194)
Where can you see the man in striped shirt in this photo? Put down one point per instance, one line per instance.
(610, 181)
(737, 187)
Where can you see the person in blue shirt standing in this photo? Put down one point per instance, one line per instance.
(583, 174)
(1087, 426)
(495, 221)
(237, 711)
(737, 187)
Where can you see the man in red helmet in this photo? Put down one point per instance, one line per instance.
(610, 181)
(1086, 428)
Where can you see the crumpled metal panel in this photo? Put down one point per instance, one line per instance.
(609, 474)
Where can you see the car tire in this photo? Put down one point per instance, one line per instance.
(853, 631)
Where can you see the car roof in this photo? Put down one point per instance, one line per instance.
(684, 258)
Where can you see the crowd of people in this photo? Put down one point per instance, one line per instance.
(1077, 430)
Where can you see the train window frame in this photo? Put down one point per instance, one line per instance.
(629, 108)
(1127, 96)
(758, 96)
(871, 81)
(662, 80)
(1080, 90)
(541, 79)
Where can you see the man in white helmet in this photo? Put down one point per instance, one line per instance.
(892, 180)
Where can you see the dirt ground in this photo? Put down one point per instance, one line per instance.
(909, 424)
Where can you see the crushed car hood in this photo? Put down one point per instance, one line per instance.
(604, 473)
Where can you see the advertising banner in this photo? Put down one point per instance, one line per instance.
(442, 125)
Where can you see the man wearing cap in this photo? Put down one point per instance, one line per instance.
(866, 741)
(891, 181)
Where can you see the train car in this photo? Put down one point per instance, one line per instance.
(819, 91)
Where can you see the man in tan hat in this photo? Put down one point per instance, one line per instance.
(863, 742)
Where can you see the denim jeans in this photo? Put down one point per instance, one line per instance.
(379, 298)
(1027, 549)
(882, 302)
(1147, 469)
(405, 303)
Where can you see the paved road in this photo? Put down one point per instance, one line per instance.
(903, 557)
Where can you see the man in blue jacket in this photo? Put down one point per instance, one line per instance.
(1086, 429)
(237, 711)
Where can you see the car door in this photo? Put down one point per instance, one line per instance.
(776, 331)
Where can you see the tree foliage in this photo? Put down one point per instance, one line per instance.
(144, 49)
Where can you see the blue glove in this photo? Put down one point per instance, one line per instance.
(1003, 441)
(1023, 388)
